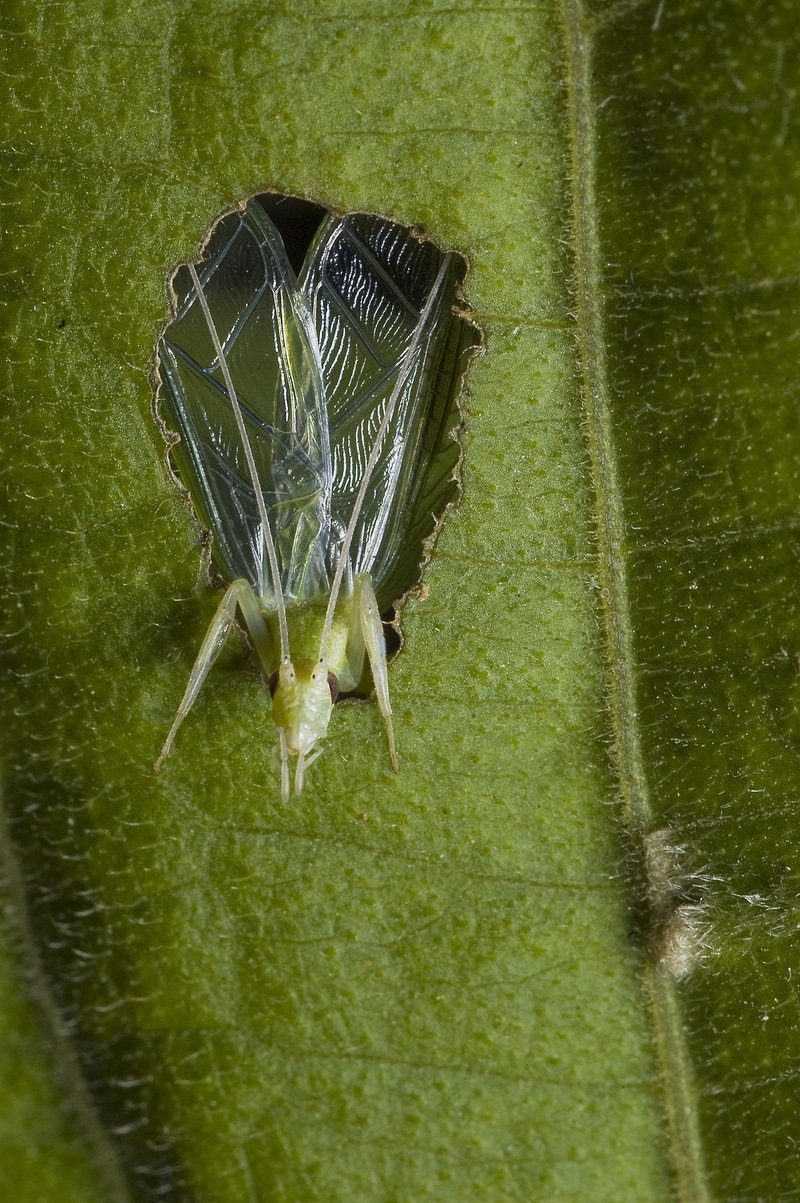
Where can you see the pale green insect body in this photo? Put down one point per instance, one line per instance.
(315, 415)
(303, 692)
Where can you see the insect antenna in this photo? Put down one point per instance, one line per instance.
(269, 542)
(405, 372)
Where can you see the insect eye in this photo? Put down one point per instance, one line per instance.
(273, 682)
(333, 685)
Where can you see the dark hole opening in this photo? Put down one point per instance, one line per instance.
(390, 632)
(297, 221)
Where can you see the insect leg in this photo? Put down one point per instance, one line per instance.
(304, 762)
(356, 650)
(284, 765)
(256, 628)
(365, 604)
(239, 593)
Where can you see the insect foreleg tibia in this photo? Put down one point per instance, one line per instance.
(239, 593)
(368, 617)
(284, 765)
(303, 762)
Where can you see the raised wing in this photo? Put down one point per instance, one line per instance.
(366, 281)
(270, 347)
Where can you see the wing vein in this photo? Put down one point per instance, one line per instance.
(251, 465)
(405, 372)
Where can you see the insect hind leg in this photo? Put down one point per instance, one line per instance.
(241, 594)
(365, 605)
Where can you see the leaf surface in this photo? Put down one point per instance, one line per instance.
(424, 986)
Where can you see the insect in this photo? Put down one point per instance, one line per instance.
(315, 415)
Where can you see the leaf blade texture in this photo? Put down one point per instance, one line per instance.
(451, 985)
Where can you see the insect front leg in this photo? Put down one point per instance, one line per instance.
(368, 617)
(239, 593)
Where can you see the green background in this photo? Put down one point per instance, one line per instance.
(553, 959)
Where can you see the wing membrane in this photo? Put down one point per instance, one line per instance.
(270, 346)
(366, 281)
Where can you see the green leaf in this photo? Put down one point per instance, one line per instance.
(51, 1146)
(420, 987)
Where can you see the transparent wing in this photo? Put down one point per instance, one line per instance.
(270, 346)
(366, 281)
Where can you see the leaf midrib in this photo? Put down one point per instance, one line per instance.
(685, 1142)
